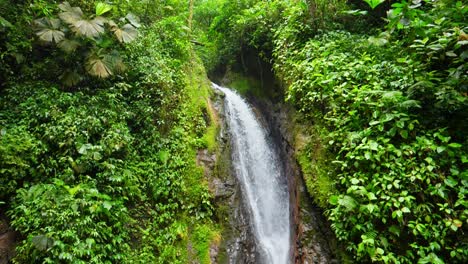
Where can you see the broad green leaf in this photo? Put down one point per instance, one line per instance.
(450, 181)
(431, 258)
(333, 200)
(348, 202)
(163, 156)
(374, 3)
(457, 223)
(451, 54)
(464, 159)
(373, 145)
(371, 207)
(4, 23)
(102, 8)
(371, 196)
(90, 241)
(440, 149)
(455, 145)
(42, 242)
(404, 134)
(367, 155)
(356, 12)
(107, 205)
(74, 190)
(379, 251)
(395, 230)
(97, 156)
(84, 149)
(377, 41)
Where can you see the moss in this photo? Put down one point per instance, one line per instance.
(314, 161)
(204, 123)
(203, 237)
(244, 85)
(212, 130)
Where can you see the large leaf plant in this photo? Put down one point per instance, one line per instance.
(88, 42)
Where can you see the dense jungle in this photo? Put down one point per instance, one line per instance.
(108, 118)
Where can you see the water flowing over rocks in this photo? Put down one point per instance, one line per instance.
(311, 239)
(314, 241)
(260, 174)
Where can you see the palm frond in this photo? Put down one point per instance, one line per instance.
(70, 78)
(70, 14)
(68, 46)
(89, 28)
(133, 19)
(126, 34)
(98, 66)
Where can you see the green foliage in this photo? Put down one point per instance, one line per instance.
(374, 3)
(390, 162)
(19, 152)
(398, 177)
(105, 175)
(313, 158)
(87, 38)
(203, 237)
(70, 224)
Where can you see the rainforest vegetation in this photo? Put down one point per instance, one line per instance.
(104, 105)
(101, 115)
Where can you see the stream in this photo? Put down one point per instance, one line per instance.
(258, 168)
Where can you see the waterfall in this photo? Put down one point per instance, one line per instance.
(259, 171)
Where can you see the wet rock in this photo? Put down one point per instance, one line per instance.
(206, 160)
(314, 240)
(237, 245)
(7, 242)
(221, 188)
(214, 251)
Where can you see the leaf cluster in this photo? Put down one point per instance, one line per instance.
(87, 37)
(398, 178)
(108, 175)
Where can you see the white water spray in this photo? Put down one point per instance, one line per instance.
(258, 169)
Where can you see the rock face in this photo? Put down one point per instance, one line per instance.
(314, 240)
(7, 241)
(237, 245)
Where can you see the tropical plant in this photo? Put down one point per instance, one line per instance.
(374, 3)
(397, 176)
(87, 38)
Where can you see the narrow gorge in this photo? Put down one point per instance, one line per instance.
(271, 224)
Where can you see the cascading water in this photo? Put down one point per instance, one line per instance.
(259, 171)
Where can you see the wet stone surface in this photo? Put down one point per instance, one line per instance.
(313, 237)
(237, 245)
